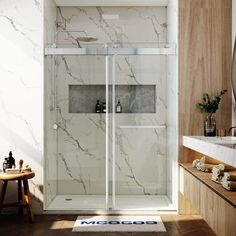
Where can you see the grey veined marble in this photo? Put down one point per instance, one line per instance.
(133, 98)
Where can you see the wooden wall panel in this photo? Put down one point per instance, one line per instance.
(204, 61)
(219, 214)
(188, 197)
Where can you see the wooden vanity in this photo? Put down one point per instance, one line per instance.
(198, 194)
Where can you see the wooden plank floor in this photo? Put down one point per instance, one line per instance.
(61, 225)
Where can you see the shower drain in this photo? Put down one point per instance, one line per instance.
(68, 199)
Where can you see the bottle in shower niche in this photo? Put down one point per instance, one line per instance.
(104, 107)
(118, 107)
(98, 107)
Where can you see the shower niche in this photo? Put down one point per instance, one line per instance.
(133, 98)
(111, 161)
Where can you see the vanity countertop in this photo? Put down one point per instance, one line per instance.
(219, 148)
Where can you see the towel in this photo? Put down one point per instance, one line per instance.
(205, 167)
(195, 162)
(217, 171)
(199, 165)
(209, 160)
(216, 179)
(231, 176)
(229, 185)
(225, 167)
(16, 171)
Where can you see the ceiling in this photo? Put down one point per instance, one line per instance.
(111, 2)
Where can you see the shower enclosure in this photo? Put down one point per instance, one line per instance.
(110, 160)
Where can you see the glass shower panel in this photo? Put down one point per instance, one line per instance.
(81, 131)
(140, 133)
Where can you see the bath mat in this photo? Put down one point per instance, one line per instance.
(119, 223)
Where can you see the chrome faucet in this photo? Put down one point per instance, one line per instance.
(230, 129)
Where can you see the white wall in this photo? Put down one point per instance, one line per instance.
(21, 90)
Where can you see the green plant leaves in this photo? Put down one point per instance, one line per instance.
(208, 105)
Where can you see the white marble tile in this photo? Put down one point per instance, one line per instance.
(21, 92)
(81, 137)
(89, 22)
(50, 152)
(172, 104)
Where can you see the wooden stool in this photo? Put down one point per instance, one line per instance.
(21, 177)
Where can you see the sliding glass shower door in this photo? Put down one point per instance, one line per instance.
(109, 116)
(82, 124)
(139, 132)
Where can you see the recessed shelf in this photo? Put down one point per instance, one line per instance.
(133, 98)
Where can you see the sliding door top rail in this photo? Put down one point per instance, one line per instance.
(168, 50)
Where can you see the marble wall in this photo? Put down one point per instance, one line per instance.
(50, 115)
(172, 104)
(21, 90)
(89, 22)
(141, 152)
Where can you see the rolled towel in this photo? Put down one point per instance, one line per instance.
(216, 179)
(224, 167)
(199, 165)
(195, 162)
(209, 160)
(231, 176)
(207, 167)
(16, 171)
(216, 175)
(217, 172)
(229, 185)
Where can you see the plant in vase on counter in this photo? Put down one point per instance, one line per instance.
(209, 106)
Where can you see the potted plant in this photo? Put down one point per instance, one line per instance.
(209, 106)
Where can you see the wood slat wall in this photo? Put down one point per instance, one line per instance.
(205, 41)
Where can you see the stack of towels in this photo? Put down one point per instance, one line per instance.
(205, 164)
(229, 180)
(218, 172)
(221, 173)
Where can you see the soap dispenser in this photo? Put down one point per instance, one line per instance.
(118, 107)
(104, 107)
(98, 107)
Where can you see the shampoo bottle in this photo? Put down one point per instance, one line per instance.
(118, 107)
(98, 107)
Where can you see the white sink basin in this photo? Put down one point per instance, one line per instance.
(219, 140)
(229, 145)
(222, 149)
(227, 139)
